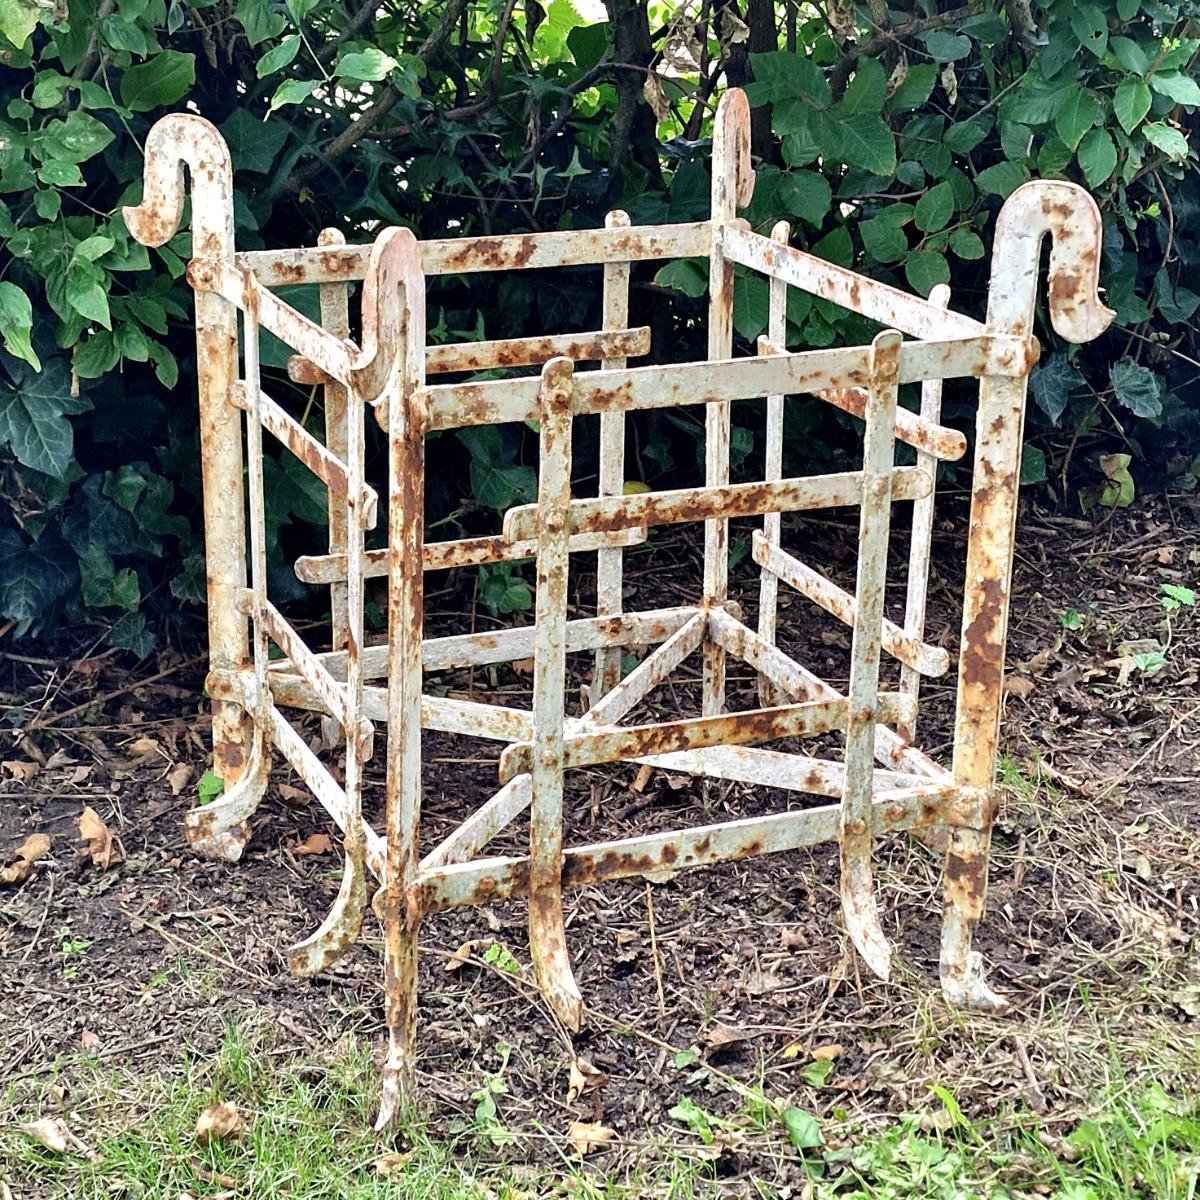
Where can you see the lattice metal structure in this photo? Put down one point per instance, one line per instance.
(880, 781)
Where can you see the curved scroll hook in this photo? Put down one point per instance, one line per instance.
(732, 173)
(393, 313)
(175, 140)
(1068, 214)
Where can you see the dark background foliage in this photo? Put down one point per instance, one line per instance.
(887, 134)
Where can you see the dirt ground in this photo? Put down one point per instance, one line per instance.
(1091, 930)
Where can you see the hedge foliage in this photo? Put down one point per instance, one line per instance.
(888, 135)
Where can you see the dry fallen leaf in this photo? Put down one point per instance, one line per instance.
(719, 1037)
(34, 847)
(589, 1136)
(387, 1164)
(584, 1078)
(179, 777)
(297, 797)
(1019, 686)
(82, 773)
(54, 1135)
(99, 840)
(315, 843)
(144, 747)
(459, 958)
(22, 772)
(89, 1040)
(793, 1050)
(829, 1052)
(219, 1122)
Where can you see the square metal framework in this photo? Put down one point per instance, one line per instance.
(882, 782)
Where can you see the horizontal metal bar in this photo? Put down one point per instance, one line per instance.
(488, 879)
(495, 401)
(802, 684)
(322, 462)
(508, 352)
(596, 514)
(880, 302)
(329, 793)
(611, 744)
(465, 552)
(940, 441)
(512, 252)
(775, 769)
(482, 825)
(921, 656)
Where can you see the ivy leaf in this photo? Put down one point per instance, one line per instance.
(33, 421)
(1131, 103)
(805, 194)
(1097, 157)
(33, 576)
(1168, 139)
(165, 79)
(16, 323)
(925, 269)
(1075, 114)
(1136, 387)
(1033, 465)
(935, 208)
(253, 144)
(1052, 383)
(368, 65)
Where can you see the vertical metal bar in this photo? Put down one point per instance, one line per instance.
(254, 470)
(857, 884)
(547, 933)
(921, 545)
(610, 562)
(406, 422)
(768, 596)
(335, 317)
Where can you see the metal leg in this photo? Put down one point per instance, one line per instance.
(547, 933)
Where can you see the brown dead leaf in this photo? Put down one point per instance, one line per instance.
(315, 843)
(760, 982)
(81, 774)
(719, 1037)
(294, 796)
(89, 1040)
(643, 777)
(388, 1164)
(522, 666)
(656, 97)
(219, 1122)
(144, 746)
(36, 846)
(60, 758)
(828, 1052)
(54, 1135)
(22, 772)
(103, 852)
(584, 1078)
(1019, 686)
(459, 958)
(588, 1136)
(179, 776)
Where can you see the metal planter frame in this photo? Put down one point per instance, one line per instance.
(882, 783)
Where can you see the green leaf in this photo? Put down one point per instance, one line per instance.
(781, 75)
(805, 194)
(259, 21)
(94, 247)
(1075, 114)
(209, 787)
(300, 8)
(1033, 465)
(866, 90)
(1183, 89)
(33, 576)
(279, 56)
(751, 300)
(1136, 387)
(1131, 103)
(914, 89)
(1090, 25)
(32, 420)
(861, 140)
(686, 275)
(836, 247)
(803, 1129)
(963, 137)
(1052, 382)
(60, 174)
(1097, 156)
(966, 244)
(253, 144)
(165, 79)
(1131, 55)
(883, 239)
(935, 208)
(1167, 138)
(19, 18)
(76, 138)
(946, 47)
(925, 269)
(368, 65)
(121, 34)
(16, 323)
(87, 293)
(1001, 179)
(293, 91)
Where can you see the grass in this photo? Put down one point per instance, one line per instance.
(308, 1137)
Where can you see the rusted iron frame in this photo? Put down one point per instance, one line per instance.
(591, 746)
(463, 552)
(510, 252)
(768, 597)
(779, 564)
(916, 430)
(920, 545)
(611, 345)
(488, 879)
(496, 401)
(328, 467)
(1066, 214)
(466, 840)
(879, 442)
(804, 493)
(611, 482)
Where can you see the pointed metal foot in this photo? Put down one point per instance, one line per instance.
(551, 965)
(340, 929)
(393, 1089)
(967, 986)
(220, 830)
(862, 923)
